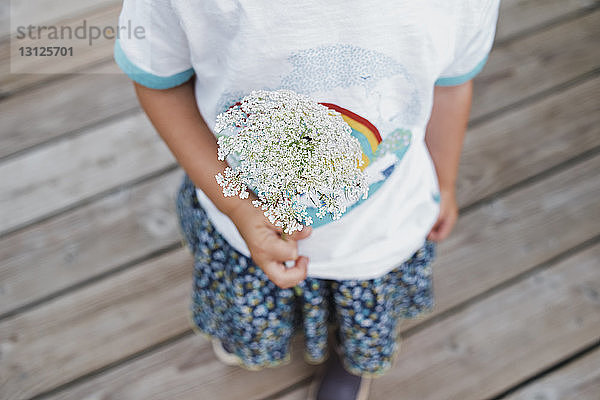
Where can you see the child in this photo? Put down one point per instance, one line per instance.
(400, 74)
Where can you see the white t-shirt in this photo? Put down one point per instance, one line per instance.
(374, 61)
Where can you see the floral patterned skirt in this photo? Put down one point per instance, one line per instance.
(234, 301)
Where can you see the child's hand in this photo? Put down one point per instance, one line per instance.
(268, 250)
(446, 218)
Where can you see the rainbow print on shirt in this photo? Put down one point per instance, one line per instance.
(380, 156)
(366, 133)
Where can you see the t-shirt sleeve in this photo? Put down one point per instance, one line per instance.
(474, 39)
(151, 45)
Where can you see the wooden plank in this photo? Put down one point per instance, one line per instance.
(579, 380)
(497, 154)
(567, 199)
(61, 252)
(55, 177)
(537, 63)
(27, 71)
(505, 338)
(192, 373)
(517, 16)
(44, 113)
(95, 325)
(522, 143)
(514, 232)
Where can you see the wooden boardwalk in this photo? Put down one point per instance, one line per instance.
(94, 282)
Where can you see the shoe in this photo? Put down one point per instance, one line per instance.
(223, 353)
(333, 382)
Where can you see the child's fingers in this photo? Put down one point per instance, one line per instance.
(442, 228)
(287, 277)
(446, 228)
(303, 234)
(434, 233)
(284, 250)
(281, 250)
(302, 265)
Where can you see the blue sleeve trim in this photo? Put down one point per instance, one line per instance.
(457, 80)
(146, 78)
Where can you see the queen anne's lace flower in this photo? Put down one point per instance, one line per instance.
(292, 152)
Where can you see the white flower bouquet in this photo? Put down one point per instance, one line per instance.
(292, 152)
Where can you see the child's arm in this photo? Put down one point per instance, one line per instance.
(174, 114)
(444, 139)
